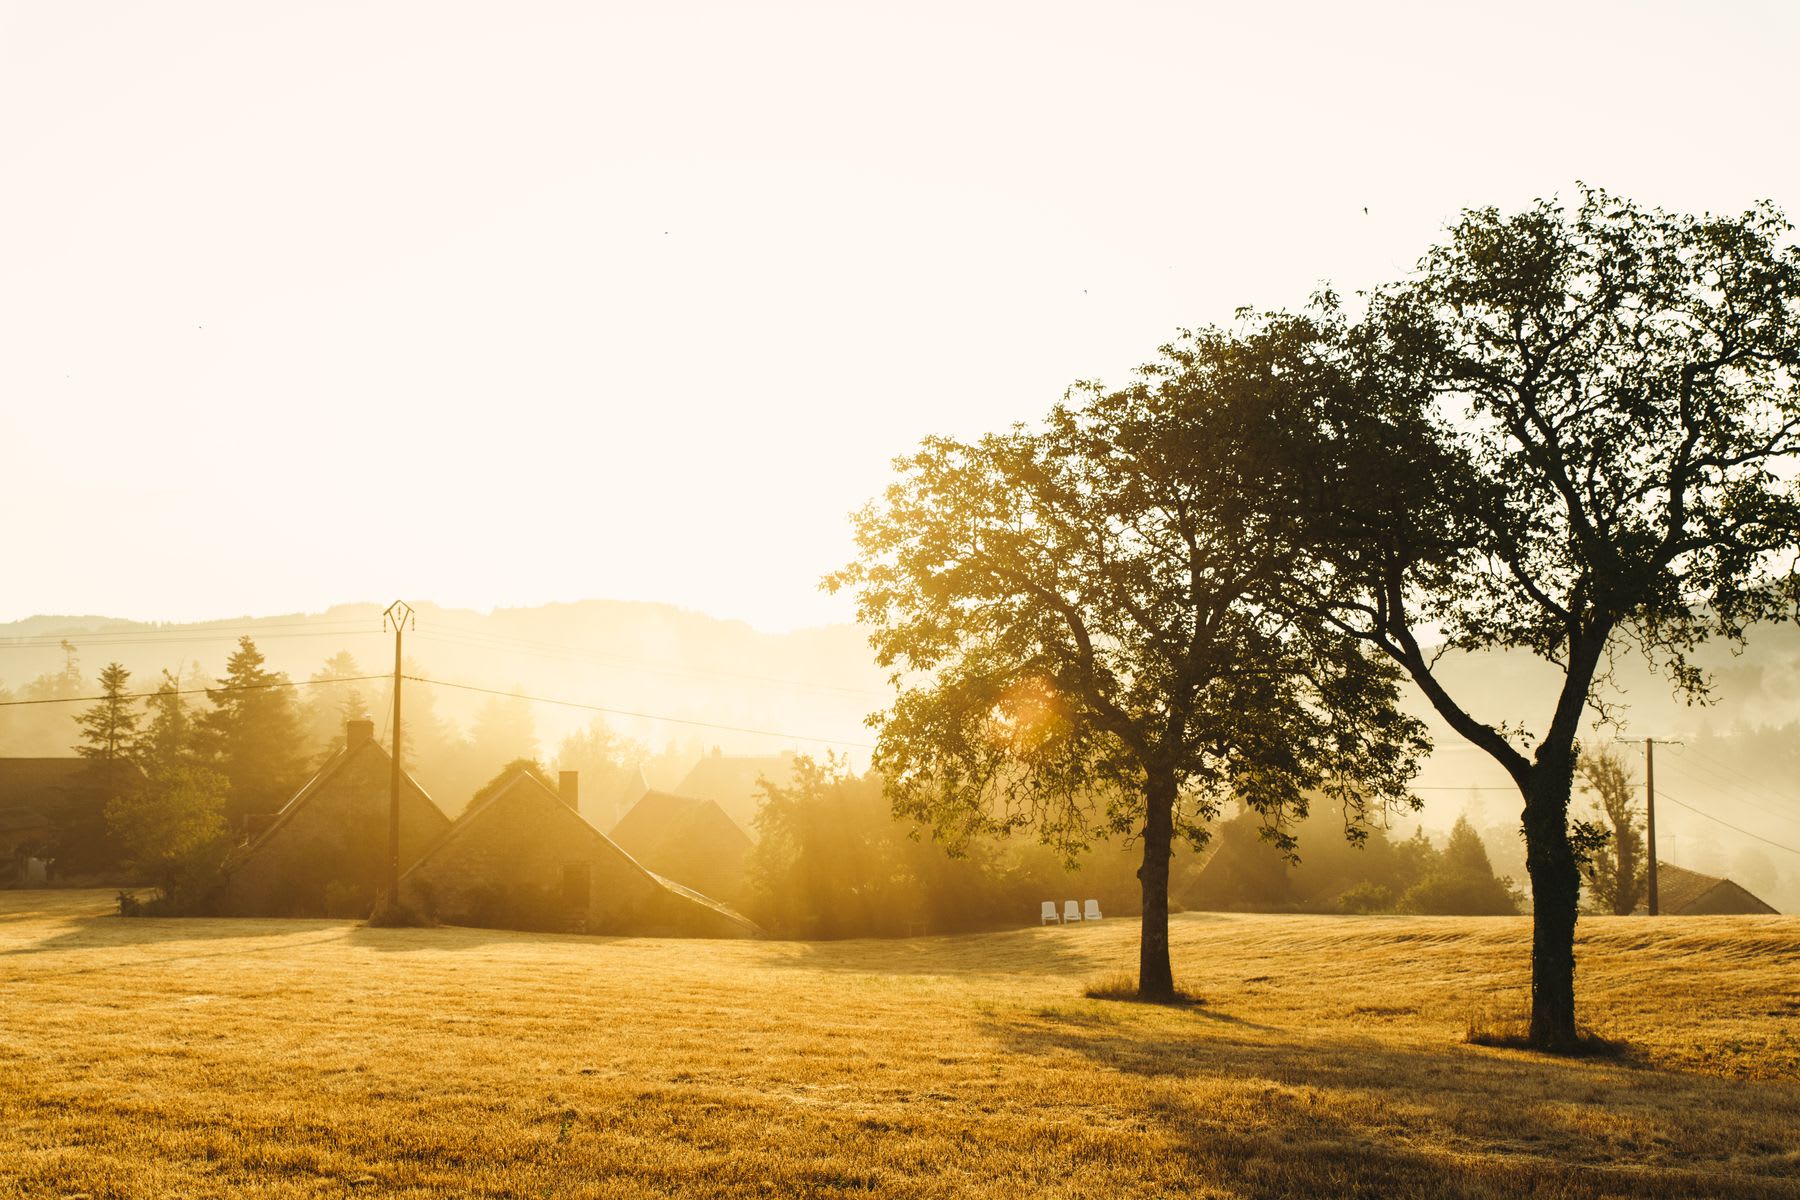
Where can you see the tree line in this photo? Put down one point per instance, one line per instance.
(1569, 432)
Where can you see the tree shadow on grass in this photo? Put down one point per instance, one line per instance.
(1030, 953)
(142, 938)
(1344, 1116)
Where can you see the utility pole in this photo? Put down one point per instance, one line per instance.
(399, 614)
(1650, 745)
(1649, 809)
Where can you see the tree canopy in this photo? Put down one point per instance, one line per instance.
(1573, 437)
(1091, 625)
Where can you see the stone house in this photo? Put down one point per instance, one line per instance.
(325, 853)
(687, 839)
(523, 857)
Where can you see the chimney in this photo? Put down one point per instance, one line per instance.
(568, 786)
(358, 731)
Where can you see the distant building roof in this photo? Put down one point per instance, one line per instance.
(685, 838)
(1681, 892)
(15, 820)
(45, 784)
(730, 781)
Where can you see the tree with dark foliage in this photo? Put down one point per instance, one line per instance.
(1091, 627)
(1575, 434)
(108, 728)
(253, 735)
(1618, 872)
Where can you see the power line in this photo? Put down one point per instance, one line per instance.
(152, 640)
(1727, 824)
(1730, 790)
(1746, 783)
(200, 626)
(494, 641)
(621, 712)
(245, 687)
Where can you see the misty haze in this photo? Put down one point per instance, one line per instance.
(994, 600)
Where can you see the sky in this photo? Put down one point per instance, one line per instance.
(497, 305)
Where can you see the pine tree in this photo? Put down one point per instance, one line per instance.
(108, 728)
(167, 742)
(503, 732)
(253, 735)
(334, 701)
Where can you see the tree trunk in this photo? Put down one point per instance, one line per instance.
(1555, 897)
(1156, 978)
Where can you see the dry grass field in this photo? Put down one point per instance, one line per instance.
(312, 1058)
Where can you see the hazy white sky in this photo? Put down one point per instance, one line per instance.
(505, 303)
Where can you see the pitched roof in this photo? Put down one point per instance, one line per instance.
(664, 818)
(12, 820)
(38, 782)
(731, 782)
(528, 782)
(1679, 890)
(320, 777)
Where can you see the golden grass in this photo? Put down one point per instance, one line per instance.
(144, 1058)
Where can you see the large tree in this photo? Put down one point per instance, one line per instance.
(253, 735)
(172, 830)
(1090, 627)
(1577, 435)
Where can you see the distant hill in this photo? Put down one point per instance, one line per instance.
(653, 659)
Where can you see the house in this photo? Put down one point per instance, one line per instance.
(523, 857)
(24, 833)
(733, 782)
(56, 808)
(1684, 893)
(325, 853)
(686, 839)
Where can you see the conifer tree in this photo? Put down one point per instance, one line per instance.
(108, 728)
(167, 742)
(253, 735)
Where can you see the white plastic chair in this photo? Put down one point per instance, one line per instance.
(1093, 911)
(1050, 917)
(1071, 911)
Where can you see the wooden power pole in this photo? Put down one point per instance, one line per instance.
(399, 614)
(1649, 815)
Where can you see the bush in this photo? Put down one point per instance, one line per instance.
(1366, 897)
(1443, 893)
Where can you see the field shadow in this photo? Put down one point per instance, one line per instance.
(109, 930)
(1015, 952)
(454, 938)
(1360, 1117)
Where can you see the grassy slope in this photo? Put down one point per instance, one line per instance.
(311, 1058)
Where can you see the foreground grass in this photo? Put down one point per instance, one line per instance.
(312, 1058)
